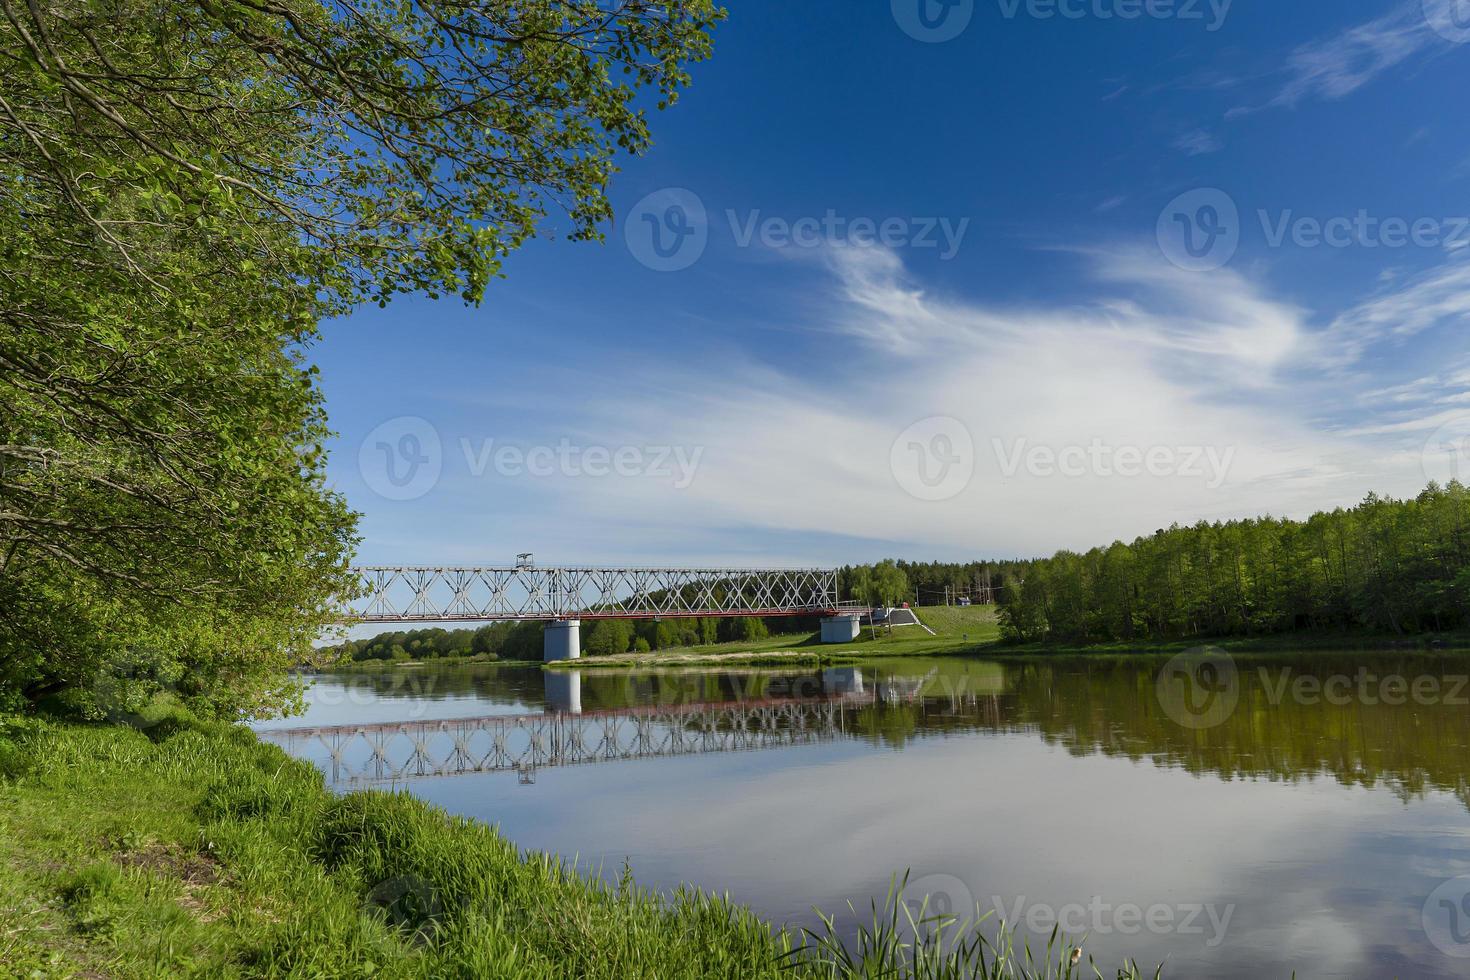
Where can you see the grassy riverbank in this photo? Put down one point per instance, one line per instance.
(1334, 641)
(192, 849)
(378, 666)
(708, 657)
(957, 630)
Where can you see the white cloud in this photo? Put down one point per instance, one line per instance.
(1199, 142)
(1414, 306)
(1335, 67)
(1164, 358)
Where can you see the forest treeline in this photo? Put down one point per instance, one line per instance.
(1395, 566)
(523, 640)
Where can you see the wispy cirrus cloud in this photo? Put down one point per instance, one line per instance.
(1160, 357)
(1336, 66)
(1199, 142)
(1431, 299)
(796, 457)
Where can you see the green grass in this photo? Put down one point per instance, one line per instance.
(195, 850)
(1334, 641)
(970, 629)
(739, 656)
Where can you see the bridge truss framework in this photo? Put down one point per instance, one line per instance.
(410, 593)
(525, 743)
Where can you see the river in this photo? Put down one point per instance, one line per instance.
(1245, 816)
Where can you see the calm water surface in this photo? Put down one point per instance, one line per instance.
(1251, 818)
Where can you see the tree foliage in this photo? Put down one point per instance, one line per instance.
(600, 637)
(931, 583)
(1398, 566)
(401, 145)
(190, 186)
(882, 584)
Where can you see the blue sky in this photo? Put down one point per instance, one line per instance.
(978, 283)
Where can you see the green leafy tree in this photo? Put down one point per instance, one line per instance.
(607, 636)
(190, 188)
(883, 584)
(745, 629)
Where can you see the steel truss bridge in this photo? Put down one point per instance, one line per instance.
(376, 753)
(403, 593)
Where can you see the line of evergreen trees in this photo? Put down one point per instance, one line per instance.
(1398, 566)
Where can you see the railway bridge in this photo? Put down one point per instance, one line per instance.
(565, 735)
(563, 596)
(397, 751)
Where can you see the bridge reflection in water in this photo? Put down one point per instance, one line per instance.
(565, 735)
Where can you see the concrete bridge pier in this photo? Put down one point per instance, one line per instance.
(841, 629)
(563, 691)
(840, 682)
(562, 640)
